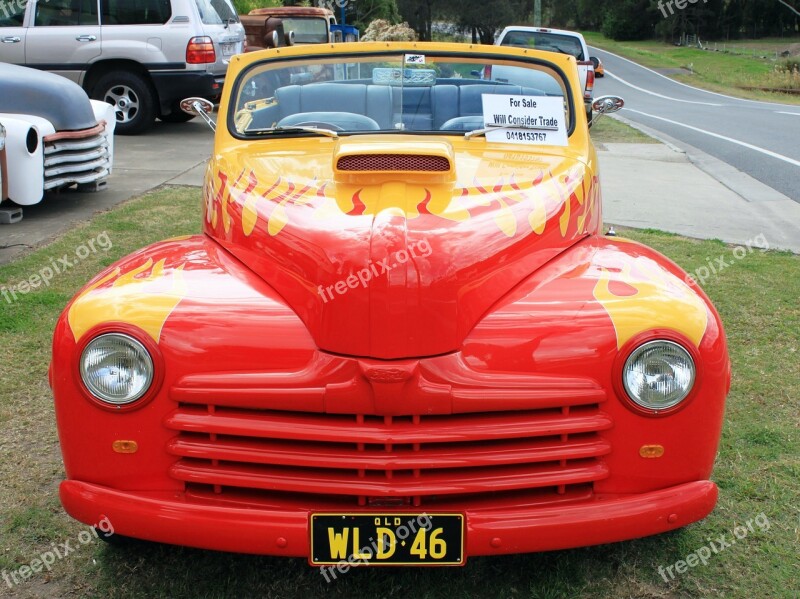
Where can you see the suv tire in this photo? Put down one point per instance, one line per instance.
(133, 98)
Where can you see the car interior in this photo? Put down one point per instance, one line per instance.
(450, 105)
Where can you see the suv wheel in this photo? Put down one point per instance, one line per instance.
(133, 100)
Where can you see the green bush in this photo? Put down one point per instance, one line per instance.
(790, 65)
(245, 6)
(633, 20)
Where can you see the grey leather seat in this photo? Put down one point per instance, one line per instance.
(374, 101)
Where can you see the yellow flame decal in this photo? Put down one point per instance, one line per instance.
(143, 300)
(568, 186)
(544, 196)
(277, 220)
(538, 216)
(659, 301)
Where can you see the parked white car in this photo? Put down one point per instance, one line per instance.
(55, 136)
(553, 40)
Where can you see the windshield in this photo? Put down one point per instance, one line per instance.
(216, 12)
(539, 40)
(307, 30)
(360, 93)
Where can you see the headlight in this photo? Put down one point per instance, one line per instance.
(658, 375)
(116, 369)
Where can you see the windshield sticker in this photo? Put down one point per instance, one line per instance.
(535, 120)
(411, 77)
(415, 59)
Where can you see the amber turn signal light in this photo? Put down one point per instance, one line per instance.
(122, 446)
(651, 451)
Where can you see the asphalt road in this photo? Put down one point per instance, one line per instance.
(761, 139)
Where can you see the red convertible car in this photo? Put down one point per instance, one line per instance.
(401, 338)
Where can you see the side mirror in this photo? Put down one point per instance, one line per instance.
(605, 105)
(200, 107)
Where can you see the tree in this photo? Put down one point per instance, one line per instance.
(630, 20)
(362, 12)
(419, 15)
(483, 19)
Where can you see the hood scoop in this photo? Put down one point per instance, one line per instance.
(362, 161)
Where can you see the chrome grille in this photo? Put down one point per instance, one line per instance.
(82, 157)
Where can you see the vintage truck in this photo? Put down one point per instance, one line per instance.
(56, 137)
(402, 336)
(302, 25)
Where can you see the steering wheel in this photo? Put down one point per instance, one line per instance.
(335, 121)
(317, 124)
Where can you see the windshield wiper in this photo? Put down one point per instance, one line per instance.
(484, 131)
(294, 129)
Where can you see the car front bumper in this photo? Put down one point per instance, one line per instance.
(173, 518)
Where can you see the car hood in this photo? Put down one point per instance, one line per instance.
(49, 96)
(393, 249)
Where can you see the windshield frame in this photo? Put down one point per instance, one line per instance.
(243, 77)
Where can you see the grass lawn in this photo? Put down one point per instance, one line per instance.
(715, 71)
(757, 468)
(609, 130)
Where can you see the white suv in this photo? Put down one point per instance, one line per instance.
(142, 56)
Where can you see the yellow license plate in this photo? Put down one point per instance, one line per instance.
(387, 539)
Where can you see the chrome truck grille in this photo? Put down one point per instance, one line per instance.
(77, 157)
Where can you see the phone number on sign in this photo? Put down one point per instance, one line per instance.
(526, 136)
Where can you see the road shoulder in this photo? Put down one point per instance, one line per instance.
(679, 189)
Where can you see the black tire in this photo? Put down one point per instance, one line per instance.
(176, 116)
(132, 96)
